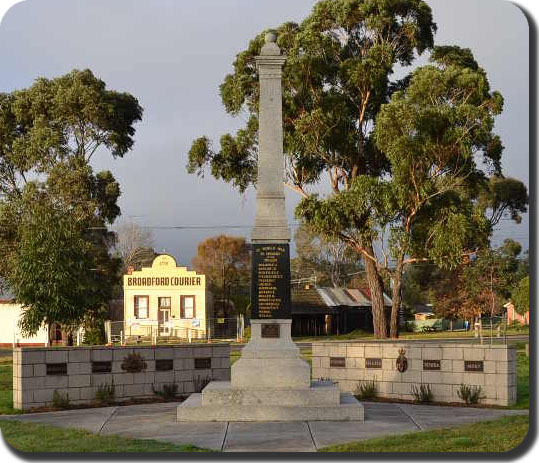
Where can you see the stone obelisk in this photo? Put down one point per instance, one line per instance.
(270, 382)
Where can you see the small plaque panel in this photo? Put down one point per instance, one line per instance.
(270, 330)
(337, 362)
(203, 363)
(373, 363)
(473, 365)
(432, 365)
(270, 281)
(101, 367)
(56, 369)
(164, 365)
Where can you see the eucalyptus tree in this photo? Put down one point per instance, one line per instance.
(336, 77)
(436, 203)
(54, 209)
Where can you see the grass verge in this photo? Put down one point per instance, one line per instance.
(31, 437)
(491, 436)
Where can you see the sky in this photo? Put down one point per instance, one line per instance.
(172, 55)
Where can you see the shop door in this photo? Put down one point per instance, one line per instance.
(163, 316)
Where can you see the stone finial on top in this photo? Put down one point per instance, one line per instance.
(270, 47)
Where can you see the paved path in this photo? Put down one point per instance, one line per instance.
(158, 421)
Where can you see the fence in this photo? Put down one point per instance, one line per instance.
(213, 329)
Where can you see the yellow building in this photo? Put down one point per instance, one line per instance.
(166, 300)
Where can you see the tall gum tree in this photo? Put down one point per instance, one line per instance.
(437, 202)
(54, 209)
(336, 77)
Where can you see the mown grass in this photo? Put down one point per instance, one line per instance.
(6, 387)
(491, 436)
(32, 437)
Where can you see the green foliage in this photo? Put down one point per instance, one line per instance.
(60, 399)
(134, 363)
(366, 390)
(470, 394)
(422, 393)
(167, 392)
(105, 393)
(54, 244)
(521, 296)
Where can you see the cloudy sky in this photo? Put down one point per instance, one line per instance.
(172, 55)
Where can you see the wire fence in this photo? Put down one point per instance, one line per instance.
(183, 331)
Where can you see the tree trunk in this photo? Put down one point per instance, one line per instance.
(396, 300)
(377, 296)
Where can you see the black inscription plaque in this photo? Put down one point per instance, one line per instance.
(101, 367)
(203, 363)
(473, 365)
(56, 369)
(270, 330)
(337, 362)
(433, 365)
(270, 283)
(164, 365)
(373, 363)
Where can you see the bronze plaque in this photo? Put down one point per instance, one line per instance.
(473, 365)
(337, 362)
(270, 330)
(373, 363)
(432, 365)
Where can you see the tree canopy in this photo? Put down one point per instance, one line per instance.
(54, 209)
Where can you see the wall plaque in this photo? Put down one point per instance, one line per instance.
(473, 365)
(203, 363)
(56, 369)
(101, 367)
(373, 363)
(270, 282)
(337, 362)
(432, 365)
(164, 365)
(270, 330)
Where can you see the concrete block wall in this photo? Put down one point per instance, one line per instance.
(498, 379)
(33, 387)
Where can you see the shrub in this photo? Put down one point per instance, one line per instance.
(200, 382)
(60, 400)
(422, 393)
(470, 394)
(134, 363)
(168, 391)
(105, 393)
(366, 389)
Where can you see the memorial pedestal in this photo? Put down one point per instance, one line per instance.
(270, 382)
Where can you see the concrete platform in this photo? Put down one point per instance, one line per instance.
(194, 409)
(158, 421)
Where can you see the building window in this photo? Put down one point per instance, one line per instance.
(164, 302)
(187, 306)
(141, 306)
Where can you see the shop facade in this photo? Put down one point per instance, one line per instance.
(165, 300)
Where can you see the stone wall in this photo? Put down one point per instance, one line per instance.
(445, 366)
(79, 371)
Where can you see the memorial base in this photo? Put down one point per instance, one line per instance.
(270, 382)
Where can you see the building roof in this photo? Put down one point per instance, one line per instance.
(323, 299)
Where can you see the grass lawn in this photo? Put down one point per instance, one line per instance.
(491, 436)
(31, 437)
(6, 387)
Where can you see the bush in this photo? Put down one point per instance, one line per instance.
(470, 394)
(168, 392)
(134, 363)
(105, 393)
(422, 393)
(366, 389)
(60, 400)
(200, 382)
